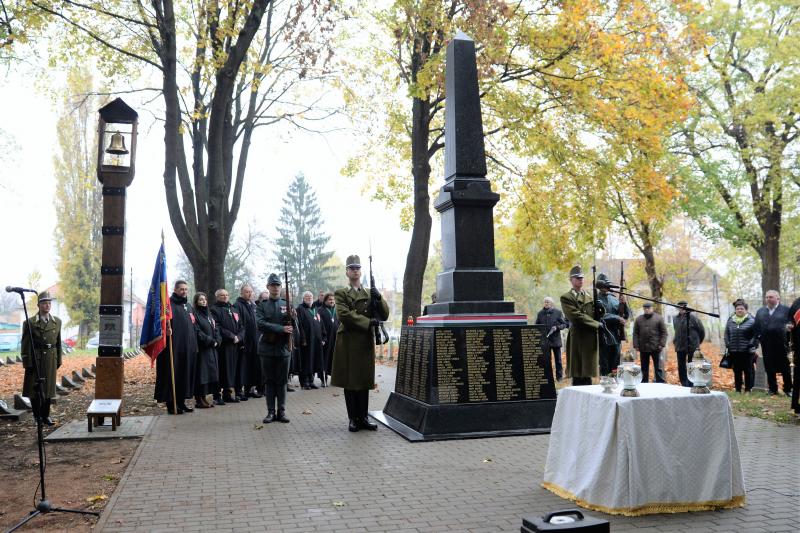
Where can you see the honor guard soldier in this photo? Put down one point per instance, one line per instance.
(42, 339)
(615, 320)
(578, 308)
(274, 323)
(354, 354)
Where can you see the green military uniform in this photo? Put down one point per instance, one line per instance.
(582, 348)
(47, 342)
(354, 353)
(273, 352)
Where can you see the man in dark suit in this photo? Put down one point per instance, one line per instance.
(771, 323)
(553, 321)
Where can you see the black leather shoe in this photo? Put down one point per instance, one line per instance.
(306, 387)
(281, 417)
(242, 398)
(269, 418)
(364, 423)
(312, 386)
(231, 399)
(289, 389)
(185, 408)
(48, 422)
(219, 401)
(353, 426)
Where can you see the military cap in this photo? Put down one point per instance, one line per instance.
(273, 279)
(682, 303)
(353, 261)
(576, 272)
(44, 296)
(647, 304)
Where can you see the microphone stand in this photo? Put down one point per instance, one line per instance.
(43, 507)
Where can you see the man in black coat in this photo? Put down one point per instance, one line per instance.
(794, 336)
(686, 343)
(553, 321)
(248, 371)
(182, 335)
(311, 344)
(232, 330)
(771, 321)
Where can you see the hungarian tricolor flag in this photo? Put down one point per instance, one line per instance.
(157, 312)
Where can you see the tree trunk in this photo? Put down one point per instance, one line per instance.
(656, 283)
(417, 257)
(769, 253)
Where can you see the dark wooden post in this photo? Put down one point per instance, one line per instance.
(116, 155)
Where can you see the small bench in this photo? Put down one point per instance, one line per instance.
(99, 409)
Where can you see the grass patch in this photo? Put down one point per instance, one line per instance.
(776, 408)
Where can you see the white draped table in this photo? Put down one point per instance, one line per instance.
(667, 451)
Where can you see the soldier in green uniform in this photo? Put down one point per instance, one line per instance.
(273, 350)
(354, 354)
(43, 338)
(582, 353)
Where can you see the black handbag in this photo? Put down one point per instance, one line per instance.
(725, 362)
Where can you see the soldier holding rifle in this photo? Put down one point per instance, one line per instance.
(354, 354)
(582, 353)
(275, 324)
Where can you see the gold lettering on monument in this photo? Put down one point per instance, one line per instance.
(447, 366)
(477, 364)
(507, 386)
(534, 374)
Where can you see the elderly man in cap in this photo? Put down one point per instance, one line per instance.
(41, 338)
(582, 353)
(686, 340)
(354, 354)
(649, 339)
(274, 322)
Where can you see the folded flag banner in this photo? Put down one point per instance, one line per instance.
(157, 312)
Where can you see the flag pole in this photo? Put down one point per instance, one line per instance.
(171, 358)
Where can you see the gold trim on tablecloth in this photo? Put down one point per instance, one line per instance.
(650, 508)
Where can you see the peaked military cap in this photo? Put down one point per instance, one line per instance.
(353, 261)
(602, 278)
(576, 272)
(647, 304)
(682, 303)
(44, 296)
(273, 279)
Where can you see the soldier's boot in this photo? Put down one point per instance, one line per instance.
(364, 423)
(281, 417)
(353, 426)
(269, 418)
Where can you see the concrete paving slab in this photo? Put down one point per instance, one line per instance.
(132, 427)
(221, 469)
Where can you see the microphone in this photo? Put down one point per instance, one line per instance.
(19, 289)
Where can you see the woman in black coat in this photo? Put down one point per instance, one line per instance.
(231, 329)
(740, 341)
(208, 339)
(330, 325)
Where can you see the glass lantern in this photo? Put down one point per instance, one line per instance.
(699, 371)
(631, 375)
(116, 151)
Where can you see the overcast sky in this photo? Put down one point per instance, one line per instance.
(28, 217)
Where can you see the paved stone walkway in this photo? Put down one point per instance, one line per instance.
(215, 470)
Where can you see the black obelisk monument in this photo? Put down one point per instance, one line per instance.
(471, 367)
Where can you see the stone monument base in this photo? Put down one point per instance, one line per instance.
(468, 381)
(425, 422)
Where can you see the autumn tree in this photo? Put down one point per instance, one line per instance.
(740, 145)
(226, 69)
(78, 204)
(301, 245)
(567, 94)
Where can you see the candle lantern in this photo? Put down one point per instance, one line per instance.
(631, 374)
(699, 370)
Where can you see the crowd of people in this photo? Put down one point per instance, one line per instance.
(593, 344)
(253, 347)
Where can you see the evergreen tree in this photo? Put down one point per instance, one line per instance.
(79, 205)
(301, 245)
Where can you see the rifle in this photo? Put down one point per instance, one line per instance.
(291, 315)
(604, 336)
(622, 305)
(381, 336)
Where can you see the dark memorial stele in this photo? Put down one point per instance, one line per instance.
(471, 367)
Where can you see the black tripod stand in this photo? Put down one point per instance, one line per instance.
(38, 400)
